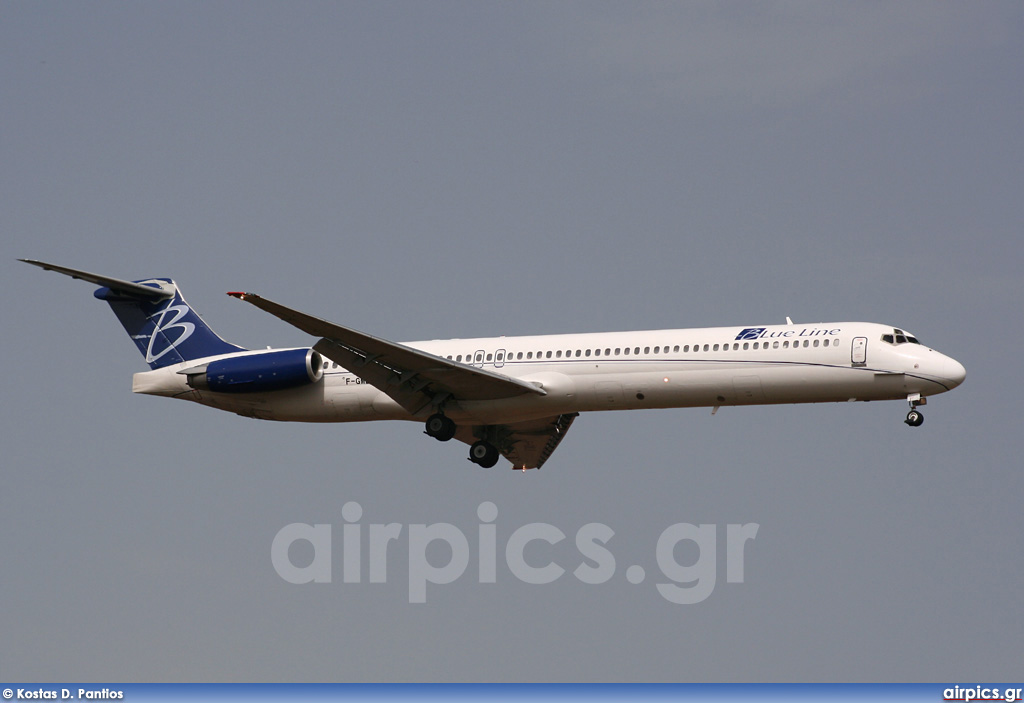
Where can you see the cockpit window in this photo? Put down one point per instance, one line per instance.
(899, 337)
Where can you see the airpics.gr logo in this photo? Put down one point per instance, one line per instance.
(752, 333)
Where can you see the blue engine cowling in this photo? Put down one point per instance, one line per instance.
(259, 373)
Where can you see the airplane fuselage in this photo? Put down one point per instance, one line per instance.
(705, 367)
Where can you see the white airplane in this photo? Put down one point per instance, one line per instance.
(512, 396)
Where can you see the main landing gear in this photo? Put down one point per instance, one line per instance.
(484, 454)
(442, 428)
(914, 417)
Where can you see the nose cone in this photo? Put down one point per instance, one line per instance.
(954, 372)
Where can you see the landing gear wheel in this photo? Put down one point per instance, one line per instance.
(440, 427)
(914, 418)
(484, 454)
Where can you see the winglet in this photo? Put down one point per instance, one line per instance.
(238, 294)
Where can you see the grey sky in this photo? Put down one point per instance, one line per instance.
(426, 170)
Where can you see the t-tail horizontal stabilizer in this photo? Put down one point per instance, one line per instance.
(132, 289)
(162, 325)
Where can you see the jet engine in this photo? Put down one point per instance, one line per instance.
(258, 373)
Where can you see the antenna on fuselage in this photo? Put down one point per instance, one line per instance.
(788, 320)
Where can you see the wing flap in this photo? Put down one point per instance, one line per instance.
(534, 442)
(527, 445)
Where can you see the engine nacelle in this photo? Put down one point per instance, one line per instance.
(259, 373)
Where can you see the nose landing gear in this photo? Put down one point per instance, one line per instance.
(914, 417)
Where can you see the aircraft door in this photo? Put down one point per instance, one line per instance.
(859, 351)
(499, 358)
(478, 358)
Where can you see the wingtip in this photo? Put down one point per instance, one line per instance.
(238, 294)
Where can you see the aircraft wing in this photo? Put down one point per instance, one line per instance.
(414, 379)
(526, 444)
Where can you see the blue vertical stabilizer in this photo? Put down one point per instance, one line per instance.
(166, 330)
(162, 325)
